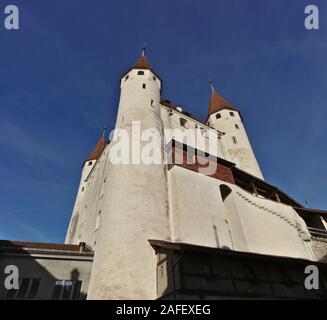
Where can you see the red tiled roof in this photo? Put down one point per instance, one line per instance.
(217, 103)
(43, 248)
(142, 63)
(96, 152)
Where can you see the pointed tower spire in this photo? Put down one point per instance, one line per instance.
(217, 102)
(143, 63)
(104, 131)
(143, 49)
(211, 85)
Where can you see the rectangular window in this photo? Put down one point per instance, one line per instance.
(143, 86)
(140, 73)
(236, 126)
(232, 114)
(77, 290)
(23, 288)
(67, 290)
(218, 116)
(183, 122)
(57, 290)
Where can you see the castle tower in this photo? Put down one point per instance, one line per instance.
(78, 211)
(235, 143)
(135, 206)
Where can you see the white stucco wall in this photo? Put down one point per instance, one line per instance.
(171, 120)
(135, 206)
(89, 202)
(249, 223)
(48, 270)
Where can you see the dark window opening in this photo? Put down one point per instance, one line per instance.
(234, 140)
(23, 288)
(183, 122)
(126, 77)
(77, 290)
(67, 290)
(57, 290)
(232, 114)
(236, 126)
(140, 73)
(225, 191)
(218, 116)
(90, 163)
(68, 287)
(154, 78)
(143, 86)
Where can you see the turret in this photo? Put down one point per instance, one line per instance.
(135, 198)
(235, 142)
(77, 215)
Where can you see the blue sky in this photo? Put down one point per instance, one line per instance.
(59, 85)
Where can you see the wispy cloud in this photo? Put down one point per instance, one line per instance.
(16, 139)
(22, 225)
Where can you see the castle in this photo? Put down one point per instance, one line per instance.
(171, 231)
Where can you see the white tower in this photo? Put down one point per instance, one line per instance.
(235, 143)
(135, 206)
(78, 211)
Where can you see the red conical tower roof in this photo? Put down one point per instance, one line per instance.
(143, 63)
(217, 103)
(96, 152)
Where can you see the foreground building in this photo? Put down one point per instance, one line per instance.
(169, 231)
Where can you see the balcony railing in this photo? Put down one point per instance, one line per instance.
(319, 233)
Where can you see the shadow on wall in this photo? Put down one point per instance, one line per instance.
(34, 279)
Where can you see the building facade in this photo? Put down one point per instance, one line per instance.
(120, 207)
(226, 224)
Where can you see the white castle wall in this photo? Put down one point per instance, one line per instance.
(135, 206)
(171, 120)
(89, 203)
(251, 224)
(241, 152)
(134, 203)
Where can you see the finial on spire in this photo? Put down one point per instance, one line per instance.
(104, 131)
(211, 85)
(143, 49)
